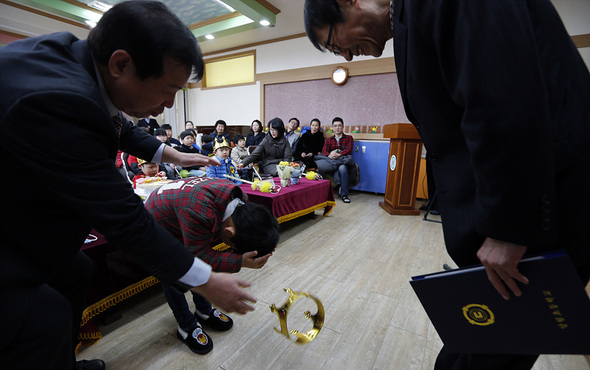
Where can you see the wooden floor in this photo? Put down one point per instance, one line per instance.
(357, 261)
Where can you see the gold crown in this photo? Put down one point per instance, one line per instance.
(317, 319)
(221, 144)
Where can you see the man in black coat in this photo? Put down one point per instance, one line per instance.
(150, 123)
(500, 97)
(69, 93)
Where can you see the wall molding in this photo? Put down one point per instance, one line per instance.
(45, 14)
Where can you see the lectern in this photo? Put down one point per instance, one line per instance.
(405, 151)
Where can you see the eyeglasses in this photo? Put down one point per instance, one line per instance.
(329, 45)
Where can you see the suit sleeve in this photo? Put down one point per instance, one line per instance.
(81, 177)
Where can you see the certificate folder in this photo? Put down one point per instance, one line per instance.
(551, 317)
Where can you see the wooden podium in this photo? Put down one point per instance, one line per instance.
(405, 151)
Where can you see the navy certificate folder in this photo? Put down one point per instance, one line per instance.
(551, 317)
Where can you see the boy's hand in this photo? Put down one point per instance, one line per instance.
(249, 261)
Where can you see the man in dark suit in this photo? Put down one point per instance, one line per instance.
(70, 92)
(150, 123)
(500, 96)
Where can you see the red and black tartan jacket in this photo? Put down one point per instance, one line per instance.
(192, 211)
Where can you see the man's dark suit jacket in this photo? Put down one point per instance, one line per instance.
(59, 134)
(501, 99)
(150, 123)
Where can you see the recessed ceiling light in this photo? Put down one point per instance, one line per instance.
(99, 5)
(209, 37)
(264, 23)
(92, 24)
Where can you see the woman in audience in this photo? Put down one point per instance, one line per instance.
(272, 150)
(310, 145)
(256, 134)
(218, 133)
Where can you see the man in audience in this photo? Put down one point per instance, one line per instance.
(291, 133)
(500, 96)
(201, 213)
(336, 158)
(69, 92)
(150, 123)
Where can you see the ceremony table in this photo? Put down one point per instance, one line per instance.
(295, 200)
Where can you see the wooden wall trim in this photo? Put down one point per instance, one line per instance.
(360, 68)
(13, 34)
(581, 41)
(45, 14)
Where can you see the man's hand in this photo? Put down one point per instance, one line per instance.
(171, 155)
(334, 154)
(239, 166)
(500, 260)
(226, 292)
(249, 261)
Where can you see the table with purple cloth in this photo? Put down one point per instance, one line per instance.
(295, 200)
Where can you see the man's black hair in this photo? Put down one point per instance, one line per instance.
(318, 14)
(149, 32)
(338, 119)
(296, 120)
(256, 229)
(277, 124)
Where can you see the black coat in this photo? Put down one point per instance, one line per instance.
(72, 185)
(310, 143)
(501, 98)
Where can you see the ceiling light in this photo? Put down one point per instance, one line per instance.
(92, 24)
(209, 37)
(224, 5)
(99, 5)
(264, 23)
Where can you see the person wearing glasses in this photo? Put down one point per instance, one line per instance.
(336, 158)
(499, 95)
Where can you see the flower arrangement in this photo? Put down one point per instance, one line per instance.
(285, 171)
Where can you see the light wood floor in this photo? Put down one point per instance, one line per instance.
(357, 261)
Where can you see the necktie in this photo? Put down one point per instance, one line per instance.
(118, 122)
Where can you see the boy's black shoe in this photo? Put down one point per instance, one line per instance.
(345, 199)
(217, 320)
(90, 365)
(198, 341)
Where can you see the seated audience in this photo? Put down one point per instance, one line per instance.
(202, 213)
(222, 150)
(310, 145)
(187, 139)
(171, 140)
(162, 135)
(273, 149)
(219, 132)
(256, 134)
(148, 169)
(292, 135)
(238, 153)
(336, 158)
(189, 125)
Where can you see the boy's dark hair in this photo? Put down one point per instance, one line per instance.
(338, 119)
(160, 131)
(317, 14)
(256, 229)
(277, 124)
(166, 126)
(149, 32)
(238, 137)
(186, 133)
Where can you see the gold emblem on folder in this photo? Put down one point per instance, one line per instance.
(478, 314)
(317, 318)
